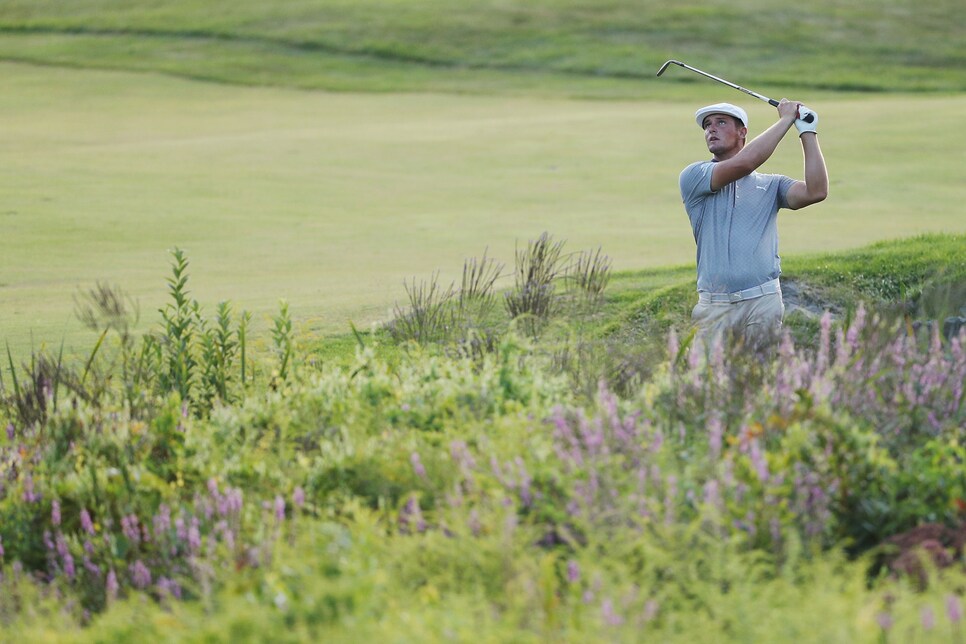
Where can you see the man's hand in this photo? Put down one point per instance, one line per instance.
(804, 126)
(788, 109)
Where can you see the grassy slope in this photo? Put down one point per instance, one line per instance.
(924, 275)
(429, 44)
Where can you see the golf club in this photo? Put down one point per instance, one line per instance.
(808, 117)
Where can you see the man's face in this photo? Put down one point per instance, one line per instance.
(724, 134)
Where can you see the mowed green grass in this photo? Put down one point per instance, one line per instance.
(331, 201)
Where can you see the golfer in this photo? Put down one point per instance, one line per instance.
(734, 215)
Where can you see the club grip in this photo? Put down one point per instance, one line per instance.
(808, 117)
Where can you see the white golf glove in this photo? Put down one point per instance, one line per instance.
(804, 126)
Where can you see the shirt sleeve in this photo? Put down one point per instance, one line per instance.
(784, 183)
(695, 182)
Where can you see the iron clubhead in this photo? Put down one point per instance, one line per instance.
(665, 65)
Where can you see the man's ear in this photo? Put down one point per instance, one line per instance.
(743, 133)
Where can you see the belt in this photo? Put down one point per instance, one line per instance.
(768, 288)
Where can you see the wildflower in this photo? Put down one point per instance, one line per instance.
(222, 503)
(759, 462)
(85, 520)
(954, 609)
(417, 465)
(89, 565)
(129, 526)
(194, 536)
(650, 610)
(573, 571)
(162, 520)
(166, 586)
(111, 585)
(29, 495)
(298, 497)
(55, 512)
(610, 617)
(928, 618)
(461, 454)
(61, 546)
(474, 522)
(69, 569)
(884, 620)
(140, 575)
(411, 516)
(1, 547)
(236, 500)
(11, 432)
(715, 435)
(279, 508)
(712, 494)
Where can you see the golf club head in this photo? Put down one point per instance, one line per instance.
(664, 66)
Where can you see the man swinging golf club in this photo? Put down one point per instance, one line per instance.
(734, 215)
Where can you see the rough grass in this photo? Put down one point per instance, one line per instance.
(921, 278)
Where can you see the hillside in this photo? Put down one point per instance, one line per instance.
(560, 46)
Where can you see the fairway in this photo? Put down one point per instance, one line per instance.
(331, 200)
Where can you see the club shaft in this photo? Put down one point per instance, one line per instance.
(728, 83)
(808, 118)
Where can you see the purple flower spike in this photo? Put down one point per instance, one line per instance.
(29, 495)
(55, 512)
(129, 526)
(69, 570)
(162, 520)
(884, 620)
(954, 609)
(573, 571)
(298, 497)
(140, 575)
(111, 586)
(11, 432)
(279, 508)
(928, 619)
(417, 465)
(610, 616)
(85, 520)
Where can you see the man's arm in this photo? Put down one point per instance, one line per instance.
(815, 186)
(757, 151)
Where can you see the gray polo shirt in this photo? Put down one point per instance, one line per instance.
(735, 228)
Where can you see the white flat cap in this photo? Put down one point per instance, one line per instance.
(721, 108)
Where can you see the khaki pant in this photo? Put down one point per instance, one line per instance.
(756, 322)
